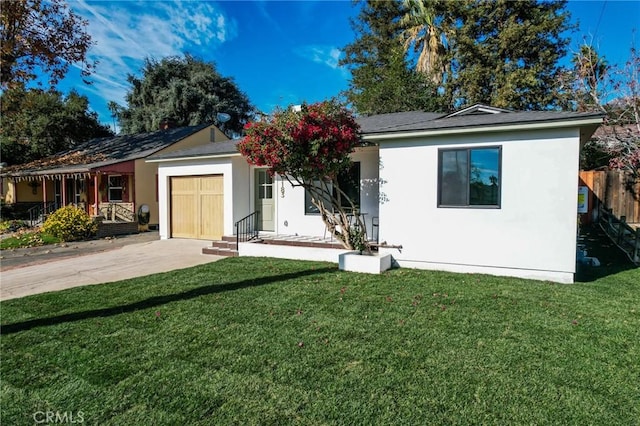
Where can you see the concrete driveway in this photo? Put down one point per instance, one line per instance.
(122, 262)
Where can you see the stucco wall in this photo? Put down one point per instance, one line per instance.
(200, 168)
(532, 234)
(7, 190)
(145, 189)
(25, 192)
(201, 137)
(145, 173)
(290, 216)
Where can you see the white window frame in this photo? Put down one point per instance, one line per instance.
(110, 187)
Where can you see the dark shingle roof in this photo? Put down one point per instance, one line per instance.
(393, 121)
(105, 151)
(414, 121)
(423, 121)
(214, 148)
(133, 147)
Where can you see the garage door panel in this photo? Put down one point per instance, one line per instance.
(182, 219)
(212, 185)
(197, 207)
(183, 185)
(211, 206)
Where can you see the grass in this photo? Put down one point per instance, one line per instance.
(28, 238)
(263, 341)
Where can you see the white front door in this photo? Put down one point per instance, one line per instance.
(265, 203)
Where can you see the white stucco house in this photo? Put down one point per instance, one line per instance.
(482, 190)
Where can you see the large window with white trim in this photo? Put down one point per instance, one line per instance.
(469, 177)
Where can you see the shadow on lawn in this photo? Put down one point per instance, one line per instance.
(612, 259)
(156, 301)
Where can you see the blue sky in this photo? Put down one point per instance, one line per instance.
(278, 52)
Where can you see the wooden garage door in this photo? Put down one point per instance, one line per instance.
(197, 207)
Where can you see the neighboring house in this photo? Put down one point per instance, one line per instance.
(482, 190)
(106, 177)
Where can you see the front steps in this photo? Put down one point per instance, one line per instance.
(225, 247)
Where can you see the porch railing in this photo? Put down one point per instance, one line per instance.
(37, 213)
(247, 228)
(117, 212)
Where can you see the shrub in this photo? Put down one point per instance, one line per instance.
(12, 226)
(70, 223)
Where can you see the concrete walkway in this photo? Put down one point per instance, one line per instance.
(129, 261)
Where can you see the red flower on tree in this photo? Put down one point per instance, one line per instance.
(306, 147)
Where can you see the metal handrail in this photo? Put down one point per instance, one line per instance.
(247, 228)
(37, 213)
(623, 235)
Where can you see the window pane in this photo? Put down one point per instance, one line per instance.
(115, 194)
(453, 178)
(484, 179)
(115, 180)
(309, 207)
(349, 183)
(269, 194)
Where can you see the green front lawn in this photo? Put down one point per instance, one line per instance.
(263, 341)
(32, 238)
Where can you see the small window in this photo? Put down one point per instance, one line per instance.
(79, 191)
(265, 185)
(349, 183)
(469, 177)
(309, 207)
(115, 188)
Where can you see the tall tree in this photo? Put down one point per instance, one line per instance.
(38, 123)
(590, 73)
(40, 35)
(505, 53)
(592, 84)
(185, 89)
(381, 79)
(499, 52)
(425, 36)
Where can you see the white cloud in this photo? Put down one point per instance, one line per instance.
(125, 33)
(326, 55)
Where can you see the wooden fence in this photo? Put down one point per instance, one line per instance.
(614, 191)
(625, 237)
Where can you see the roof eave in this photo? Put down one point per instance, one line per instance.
(591, 121)
(193, 157)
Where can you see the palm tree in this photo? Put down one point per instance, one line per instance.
(425, 37)
(115, 110)
(591, 70)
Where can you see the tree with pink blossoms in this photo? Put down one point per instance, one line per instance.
(310, 147)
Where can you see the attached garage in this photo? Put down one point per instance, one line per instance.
(197, 207)
(202, 191)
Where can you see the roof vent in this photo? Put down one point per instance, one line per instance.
(478, 109)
